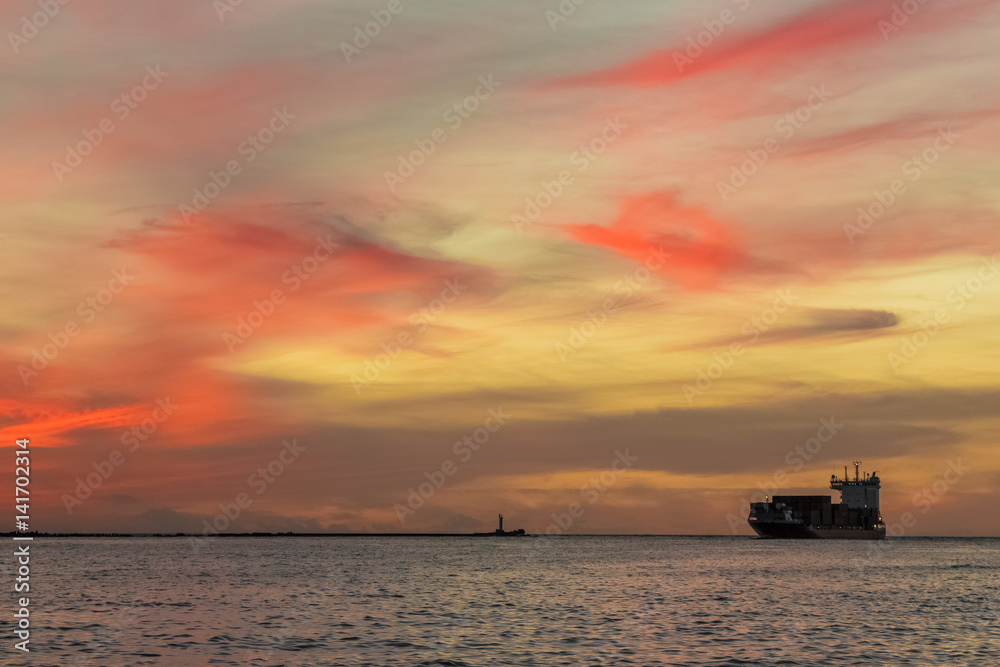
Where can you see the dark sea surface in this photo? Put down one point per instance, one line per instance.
(509, 601)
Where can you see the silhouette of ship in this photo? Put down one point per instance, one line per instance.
(500, 532)
(856, 517)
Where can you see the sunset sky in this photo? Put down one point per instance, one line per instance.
(500, 248)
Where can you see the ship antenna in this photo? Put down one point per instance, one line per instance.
(856, 464)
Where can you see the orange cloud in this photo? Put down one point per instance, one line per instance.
(702, 249)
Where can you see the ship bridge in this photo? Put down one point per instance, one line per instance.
(860, 492)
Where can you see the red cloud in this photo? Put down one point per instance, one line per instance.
(815, 34)
(702, 250)
(233, 258)
(43, 423)
(175, 329)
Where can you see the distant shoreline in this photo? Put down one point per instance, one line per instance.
(10, 534)
(753, 537)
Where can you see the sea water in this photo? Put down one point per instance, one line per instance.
(509, 601)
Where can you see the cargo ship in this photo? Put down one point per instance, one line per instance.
(856, 517)
(500, 532)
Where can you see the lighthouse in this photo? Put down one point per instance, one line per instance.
(501, 532)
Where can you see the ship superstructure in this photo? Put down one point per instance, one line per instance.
(857, 516)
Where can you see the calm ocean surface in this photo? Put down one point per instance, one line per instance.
(518, 601)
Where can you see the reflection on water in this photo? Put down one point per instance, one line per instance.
(518, 601)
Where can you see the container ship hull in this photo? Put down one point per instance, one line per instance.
(856, 517)
(798, 531)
